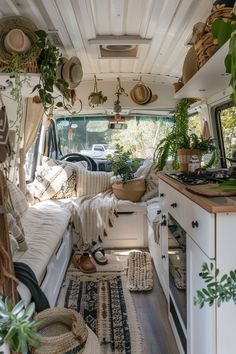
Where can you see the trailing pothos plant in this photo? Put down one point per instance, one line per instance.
(219, 289)
(225, 31)
(48, 61)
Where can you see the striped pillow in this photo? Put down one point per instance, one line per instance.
(54, 182)
(92, 183)
(17, 198)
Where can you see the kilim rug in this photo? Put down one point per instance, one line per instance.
(107, 307)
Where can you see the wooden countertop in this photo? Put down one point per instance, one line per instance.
(211, 204)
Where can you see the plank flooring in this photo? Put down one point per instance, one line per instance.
(151, 308)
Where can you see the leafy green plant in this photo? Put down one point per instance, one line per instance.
(122, 163)
(225, 31)
(222, 290)
(17, 327)
(48, 61)
(96, 98)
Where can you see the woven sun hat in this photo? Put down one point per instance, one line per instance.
(142, 94)
(17, 35)
(72, 72)
(61, 331)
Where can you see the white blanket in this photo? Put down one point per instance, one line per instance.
(91, 215)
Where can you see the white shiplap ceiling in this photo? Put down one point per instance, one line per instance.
(167, 23)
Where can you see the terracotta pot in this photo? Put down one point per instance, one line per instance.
(131, 190)
(184, 156)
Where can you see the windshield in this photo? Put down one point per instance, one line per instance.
(92, 136)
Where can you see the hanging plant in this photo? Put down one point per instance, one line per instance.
(48, 61)
(96, 97)
(225, 31)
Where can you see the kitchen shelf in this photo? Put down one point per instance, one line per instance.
(210, 79)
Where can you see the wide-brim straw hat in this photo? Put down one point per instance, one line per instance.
(17, 35)
(59, 74)
(142, 94)
(72, 72)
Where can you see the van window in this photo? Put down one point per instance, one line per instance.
(142, 133)
(195, 124)
(226, 124)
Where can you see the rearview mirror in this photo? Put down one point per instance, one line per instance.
(117, 125)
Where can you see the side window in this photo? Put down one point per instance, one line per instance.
(226, 130)
(194, 124)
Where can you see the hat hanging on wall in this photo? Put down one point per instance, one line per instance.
(17, 35)
(72, 72)
(142, 94)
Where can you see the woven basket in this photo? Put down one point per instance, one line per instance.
(62, 331)
(131, 190)
(219, 11)
(190, 66)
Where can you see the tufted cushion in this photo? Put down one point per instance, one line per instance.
(17, 198)
(92, 183)
(54, 182)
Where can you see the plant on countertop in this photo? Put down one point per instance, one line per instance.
(222, 290)
(225, 31)
(96, 97)
(122, 164)
(48, 61)
(17, 329)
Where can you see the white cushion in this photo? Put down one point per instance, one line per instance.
(92, 183)
(44, 225)
(54, 182)
(18, 199)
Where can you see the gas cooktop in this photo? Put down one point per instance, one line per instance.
(201, 177)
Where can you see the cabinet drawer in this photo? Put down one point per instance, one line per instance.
(200, 225)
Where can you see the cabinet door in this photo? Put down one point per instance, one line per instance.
(164, 254)
(200, 322)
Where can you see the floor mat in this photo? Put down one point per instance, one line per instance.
(107, 307)
(140, 276)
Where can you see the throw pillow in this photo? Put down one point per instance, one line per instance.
(152, 183)
(16, 230)
(17, 199)
(54, 182)
(92, 183)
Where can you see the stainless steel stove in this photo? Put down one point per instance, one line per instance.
(201, 177)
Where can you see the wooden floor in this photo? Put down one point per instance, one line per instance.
(152, 313)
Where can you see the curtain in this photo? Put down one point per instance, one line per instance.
(33, 116)
(205, 130)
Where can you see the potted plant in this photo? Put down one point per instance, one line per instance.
(180, 146)
(17, 329)
(126, 187)
(96, 97)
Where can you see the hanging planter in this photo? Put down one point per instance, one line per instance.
(96, 97)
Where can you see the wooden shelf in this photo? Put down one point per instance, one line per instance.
(210, 79)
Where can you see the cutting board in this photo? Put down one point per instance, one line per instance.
(210, 190)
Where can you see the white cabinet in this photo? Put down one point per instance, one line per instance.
(200, 322)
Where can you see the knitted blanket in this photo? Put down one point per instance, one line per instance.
(92, 215)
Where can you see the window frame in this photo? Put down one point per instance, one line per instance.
(219, 131)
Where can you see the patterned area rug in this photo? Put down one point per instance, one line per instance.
(107, 307)
(140, 276)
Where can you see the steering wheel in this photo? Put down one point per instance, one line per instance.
(74, 157)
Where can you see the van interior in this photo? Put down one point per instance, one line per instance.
(117, 176)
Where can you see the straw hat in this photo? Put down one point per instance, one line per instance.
(17, 35)
(60, 67)
(72, 72)
(142, 94)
